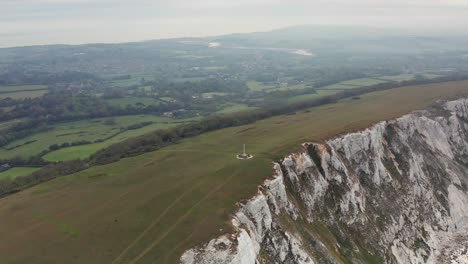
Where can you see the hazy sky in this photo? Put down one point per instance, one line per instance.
(28, 22)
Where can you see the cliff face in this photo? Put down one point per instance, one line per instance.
(394, 193)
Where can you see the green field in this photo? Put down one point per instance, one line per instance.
(356, 83)
(212, 94)
(135, 80)
(168, 99)
(232, 108)
(84, 151)
(363, 82)
(8, 124)
(87, 130)
(259, 87)
(408, 77)
(19, 88)
(305, 97)
(126, 83)
(401, 77)
(6, 109)
(22, 95)
(338, 86)
(291, 87)
(189, 79)
(431, 75)
(214, 68)
(16, 172)
(123, 102)
(152, 207)
(22, 91)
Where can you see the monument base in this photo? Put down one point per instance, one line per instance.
(244, 156)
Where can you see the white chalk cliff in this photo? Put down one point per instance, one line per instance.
(394, 193)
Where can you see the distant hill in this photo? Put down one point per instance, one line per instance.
(346, 39)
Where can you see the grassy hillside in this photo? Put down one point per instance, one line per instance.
(150, 208)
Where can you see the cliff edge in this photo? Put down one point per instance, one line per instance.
(394, 193)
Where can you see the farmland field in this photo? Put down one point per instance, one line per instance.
(214, 68)
(212, 94)
(189, 79)
(305, 97)
(126, 83)
(232, 108)
(135, 80)
(16, 172)
(152, 207)
(84, 151)
(86, 130)
(21, 88)
(22, 91)
(258, 86)
(355, 83)
(401, 77)
(431, 76)
(8, 124)
(337, 86)
(363, 82)
(21, 95)
(123, 102)
(285, 87)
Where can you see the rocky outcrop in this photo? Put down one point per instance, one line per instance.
(394, 193)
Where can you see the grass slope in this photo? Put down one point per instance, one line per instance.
(150, 208)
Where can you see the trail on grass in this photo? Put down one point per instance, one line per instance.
(152, 245)
(156, 221)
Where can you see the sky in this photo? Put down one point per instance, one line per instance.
(33, 22)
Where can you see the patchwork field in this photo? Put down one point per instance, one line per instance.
(84, 151)
(22, 91)
(431, 76)
(135, 80)
(258, 86)
(16, 172)
(8, 124)
(305, 97)
(232, 108)
(355, 83)
(213, 94)
(401, 77)
(19, 88)
(86, 130)
(363, 82)
(22, 95)
(123, 102)
(337, 86)
(150, 208)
